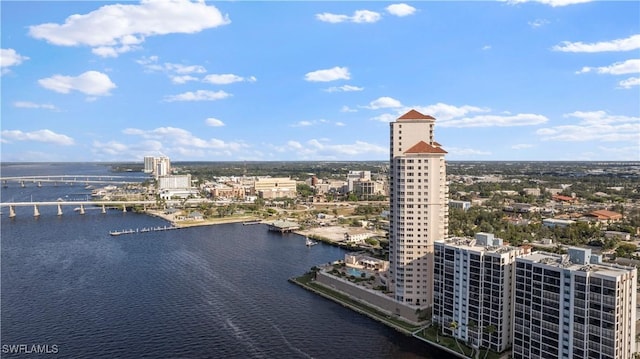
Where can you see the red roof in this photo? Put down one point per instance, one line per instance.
(423, 147)
(604, 214)
(415, 115)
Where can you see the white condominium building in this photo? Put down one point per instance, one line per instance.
(573, 307)
(418, 207)
(473, 288)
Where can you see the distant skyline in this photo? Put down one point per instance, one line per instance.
(515, 80)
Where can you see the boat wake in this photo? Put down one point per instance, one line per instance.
(289, 345)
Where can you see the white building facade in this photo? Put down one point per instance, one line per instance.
(473, 289)
(571, 306)
(418, 196)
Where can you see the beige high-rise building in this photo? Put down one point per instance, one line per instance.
(418, 207)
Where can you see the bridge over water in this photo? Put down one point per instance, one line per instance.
(79, 206)
(70, 179)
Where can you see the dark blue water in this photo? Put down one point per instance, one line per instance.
(204, 292)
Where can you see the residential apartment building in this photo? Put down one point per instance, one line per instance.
(158, 166)
(473, 289)
(572, 306)
(149, 164)
(418, 196)
(174, 182)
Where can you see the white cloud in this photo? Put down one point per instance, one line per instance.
(332, 74)
(385, 117)
(90, 83)
(455, 151)
(521, 146)
(340, 124)
(9, 57)
(444, 112)
(332, 18)
(225, 79)
(486, 47)
(619, 68)
(182, 79)
(628, 44)
(348, 109)
(345, 88)
(303, 123)
(322, 149)
(47, 136)
(359, 16)
(630, 82)
(214, 122)
(538, 23)
(553, 3)
(184, 69)
(400, 9)
(27, 104)
(594, 126)
(181, 141)
(118, 28)
(151, 64)
(522, 119)
(384, 102)
(200, 95)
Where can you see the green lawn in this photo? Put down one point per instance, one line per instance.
(450, 343)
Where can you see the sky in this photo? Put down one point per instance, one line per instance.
(511, 80)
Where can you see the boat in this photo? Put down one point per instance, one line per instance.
(257, 221)
(310, 242)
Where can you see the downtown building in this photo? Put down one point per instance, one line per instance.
(418, 196)
(472, 291)
(571, 306)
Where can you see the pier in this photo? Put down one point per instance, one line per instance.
(143, 230)
(283, 226)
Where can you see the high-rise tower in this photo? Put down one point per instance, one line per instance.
(418, 207)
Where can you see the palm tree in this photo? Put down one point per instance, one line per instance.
(454, 327)
(473, 327)
(489, 329)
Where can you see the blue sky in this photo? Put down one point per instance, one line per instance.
(292, 80)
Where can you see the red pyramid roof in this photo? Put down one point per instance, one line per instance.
(423, 147)
(415, 115)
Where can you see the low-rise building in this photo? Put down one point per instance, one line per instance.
(557, 222)
(463, 205)
(361, 260)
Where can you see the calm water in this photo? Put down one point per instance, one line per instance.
(205, 292)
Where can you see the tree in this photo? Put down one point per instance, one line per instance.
(454, 328)
(473, 327)
(489, 329)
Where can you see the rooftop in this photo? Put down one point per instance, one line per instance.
(423, 147)
(415, 115)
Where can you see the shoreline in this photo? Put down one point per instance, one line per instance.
(198, 223)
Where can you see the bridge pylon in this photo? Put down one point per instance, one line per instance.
(124, 208)
(36, 212)
(82, 209)
(59, 210)
(104, 210)
(12, 212)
